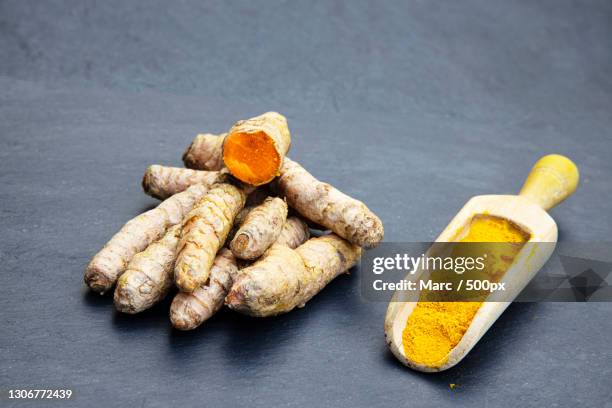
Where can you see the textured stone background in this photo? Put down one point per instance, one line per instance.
(411, 106)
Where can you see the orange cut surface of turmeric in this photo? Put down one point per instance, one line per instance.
(252, 158)
(433, 329)
(253, 149)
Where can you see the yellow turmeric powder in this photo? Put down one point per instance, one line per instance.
(435, 328)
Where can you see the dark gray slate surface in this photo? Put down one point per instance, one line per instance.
(411, 106)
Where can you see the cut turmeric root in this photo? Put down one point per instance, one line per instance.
(322, 203)
(254, 149)
(204, 232)
(219, 216)
(285, 278)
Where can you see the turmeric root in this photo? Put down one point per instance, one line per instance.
(205, 152)
(189, 310)
(148, 276)
(294, 233)
(285, 278)
(254, 149)
(106, 266)
(204, 232)
(253, 200)
(329, 207)
(325, 205)
(260, 228)
(162, 182)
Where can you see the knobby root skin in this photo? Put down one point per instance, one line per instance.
(136, 235)
(204, 232)
(285, 278)
(255, 198)
(162, 182)
(294, 233)
(240, 217)
(260, 228)
(311, 224)
(190, 310)
(253, 149)
(205, 152)
(329, 207)
(325, 207)
(148, 276)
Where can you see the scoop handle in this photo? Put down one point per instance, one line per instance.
(552, 179)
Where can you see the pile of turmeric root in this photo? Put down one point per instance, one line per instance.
(234, 228)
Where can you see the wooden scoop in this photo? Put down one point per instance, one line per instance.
(552, 179)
